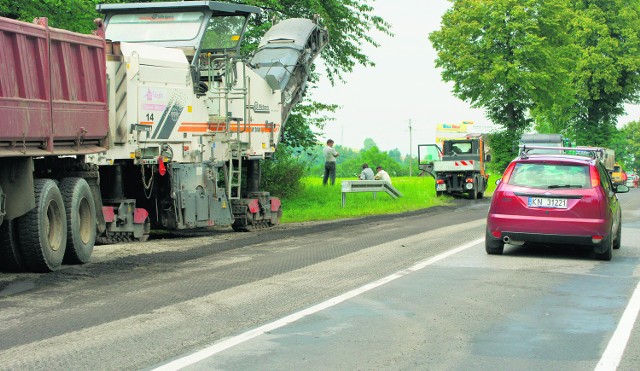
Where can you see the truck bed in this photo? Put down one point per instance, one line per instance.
(53, 95)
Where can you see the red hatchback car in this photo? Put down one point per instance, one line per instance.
(556, 199)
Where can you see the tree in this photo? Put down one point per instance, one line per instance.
(372, 156)
(626, 143)
(369, 143)
(349, 23)
(396, 155)
(608, 69)
(73, 15)
(510, 57)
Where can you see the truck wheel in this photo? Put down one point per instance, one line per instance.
(10, 257)
(43, 230)
(473, 194)
(81, 220)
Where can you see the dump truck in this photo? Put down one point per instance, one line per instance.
(458, 167)
(107, 136)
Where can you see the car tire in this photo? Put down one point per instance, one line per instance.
(607, 244)
(493, 246)
(618, 240)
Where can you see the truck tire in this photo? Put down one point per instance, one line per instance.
(10, 257)
(473, 194)
(43, 230)
(81, 220)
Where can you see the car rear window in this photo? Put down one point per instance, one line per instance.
(548, 176)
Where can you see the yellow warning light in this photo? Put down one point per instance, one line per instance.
(132, 155)
(235, 37)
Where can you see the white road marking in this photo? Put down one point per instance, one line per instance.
(613, 354)
(239, 339)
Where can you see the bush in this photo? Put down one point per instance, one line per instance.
(281, 176)
(504, 148)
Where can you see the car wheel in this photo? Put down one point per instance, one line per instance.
(618, 241)
(607, 245)
(493, 246)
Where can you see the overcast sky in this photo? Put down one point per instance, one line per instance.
(378, 102)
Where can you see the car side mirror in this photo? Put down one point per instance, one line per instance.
(621, 188)
(487, 158)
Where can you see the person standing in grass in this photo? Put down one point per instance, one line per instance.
(330, 155)
(367, 173)
(382, 175)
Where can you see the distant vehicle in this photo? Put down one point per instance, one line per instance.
(459, 167)
(555, 199)
(544, 140)
(618, 175)
(632, 179)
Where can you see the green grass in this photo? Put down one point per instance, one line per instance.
(317, 202)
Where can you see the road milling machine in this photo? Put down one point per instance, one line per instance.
(172, 137)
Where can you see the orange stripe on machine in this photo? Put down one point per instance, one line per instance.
(203, 127)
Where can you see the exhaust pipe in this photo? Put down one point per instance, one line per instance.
(506, 239)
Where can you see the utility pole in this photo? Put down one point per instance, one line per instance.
(410, 149)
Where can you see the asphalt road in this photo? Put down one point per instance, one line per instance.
(413, 291)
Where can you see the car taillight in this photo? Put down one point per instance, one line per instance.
(469, 180)
(507, 173)
(440, 181)
(595, 177)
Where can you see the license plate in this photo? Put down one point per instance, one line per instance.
(556, 203)
(441, 187)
